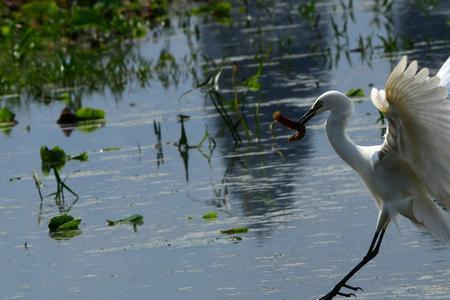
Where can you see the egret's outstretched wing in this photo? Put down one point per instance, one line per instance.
(418, 113)
(444, 74)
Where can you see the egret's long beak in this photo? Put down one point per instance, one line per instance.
(308, 115)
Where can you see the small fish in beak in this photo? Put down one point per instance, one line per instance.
(286, 122)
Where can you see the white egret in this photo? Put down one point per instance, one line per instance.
(412, 167)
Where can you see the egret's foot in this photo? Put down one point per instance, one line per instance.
(353, 288)
(336, 291)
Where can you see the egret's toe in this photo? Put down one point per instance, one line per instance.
(353, 288)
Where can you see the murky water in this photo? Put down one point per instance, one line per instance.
(309, 217)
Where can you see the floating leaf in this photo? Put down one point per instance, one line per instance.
(6, 116)
(210, 215)
(71, 225)
(235, 230)
(135, 219)
(108, 149)
(88, 114)
(63, 222)
(355, 93)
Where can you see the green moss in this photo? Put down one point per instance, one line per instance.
(89, 114)
(210, 215)
(63, 222)
(235, 230)
(6, 116)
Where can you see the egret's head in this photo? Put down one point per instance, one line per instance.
(331, 100)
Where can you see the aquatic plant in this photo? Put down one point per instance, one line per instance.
(135, 219)
(52, 158)
(235, 230)
(210, 215)
(159, 145)
(48, 30)
(219, 11)
(63, 222)
(89, 114)
(7, 116)
(355, 92)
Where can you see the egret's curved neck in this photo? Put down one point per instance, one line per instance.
(344, 147)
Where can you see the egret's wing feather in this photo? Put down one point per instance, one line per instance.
(418, 114)
(444, 74)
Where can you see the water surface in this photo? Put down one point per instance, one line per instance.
(309, 216)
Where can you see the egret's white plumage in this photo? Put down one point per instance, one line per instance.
(411, 168)
(418, 113)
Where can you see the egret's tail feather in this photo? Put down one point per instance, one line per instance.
(434, 218)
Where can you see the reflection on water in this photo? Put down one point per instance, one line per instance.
(308, 214)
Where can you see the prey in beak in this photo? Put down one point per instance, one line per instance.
(298, 126)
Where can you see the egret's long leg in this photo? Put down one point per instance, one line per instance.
(371, 253)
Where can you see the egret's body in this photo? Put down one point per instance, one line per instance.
(391, 180)
(412, 167)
